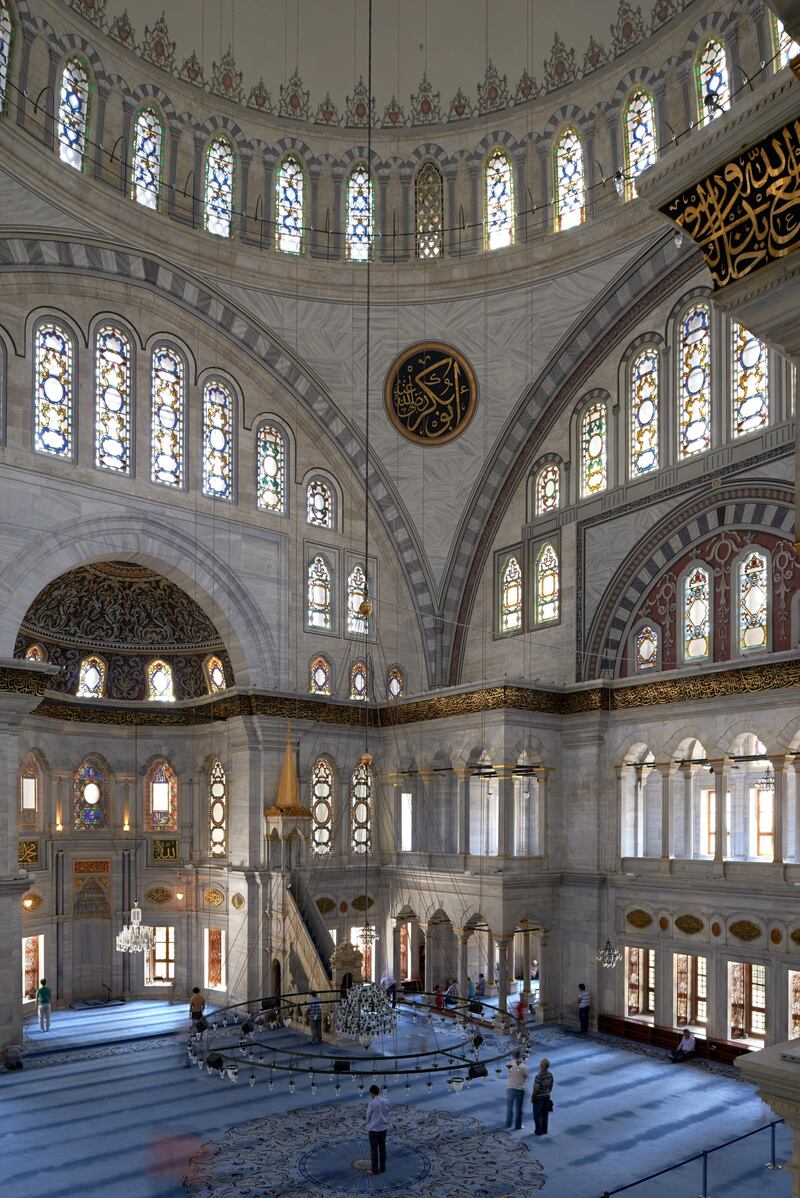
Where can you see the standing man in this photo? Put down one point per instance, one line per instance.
(540, 1097)
(584, 1002)
(377, 1126)
(44, 1004)
(515, 1092)
(197, 1005)
(315, 1018)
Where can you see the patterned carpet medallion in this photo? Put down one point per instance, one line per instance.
(430, 1154)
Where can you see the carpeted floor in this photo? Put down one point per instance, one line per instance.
(104, 1025)
(93, 1121)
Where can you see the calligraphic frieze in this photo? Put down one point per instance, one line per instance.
(430, 393)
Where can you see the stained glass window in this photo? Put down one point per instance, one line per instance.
(395, 683)
(429, 211)
(161, 798)
(358, 681)
(644, 412)
(750, 379)
(321, 808)
(92, 678)
(271, 468)
(499, 185)
(691, 999)
(30, 788)
(319, 679)
(6, 30)
(753, 600)
(645, 649)
(711, 77)
(694, 381)
(217, 440)
(289, 207)
(54, 391)
(570, 199)
(90, 794)
(219, 185)
(360, 216)
(357, 588)
(167, 417)
(217, 810)
(320, 605)
(511, 596)
(148, 142)
(548, 489)
(547, 585)
(785, 48)
(112, 403)
(215, 674)
(319, 504)
(160, 687)
(594, 453)
(35, 653)
(214, 952)
(32, 966)
(794, 1004)
(73, 113)
(696, 614)
(361, 809)
(640, 137)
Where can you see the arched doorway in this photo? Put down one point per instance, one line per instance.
(276, 978)
(91, 941)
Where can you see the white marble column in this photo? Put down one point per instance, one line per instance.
(778, 1084)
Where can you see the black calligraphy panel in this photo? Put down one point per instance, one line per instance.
(431, 393)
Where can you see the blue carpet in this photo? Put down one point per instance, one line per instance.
(104, 1025)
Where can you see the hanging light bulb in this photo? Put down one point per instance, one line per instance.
(338, 1088)
(291, 1084)
(252, 1077)
(458, 1083)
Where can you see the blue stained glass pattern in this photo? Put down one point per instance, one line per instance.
(148, 140)
(73, 113)
(711, 77)
(217, 441)
(166, 430)
(219, 181)
(289, 215)
(499, 185)
(271, 481)
(429, 211)
(54, 391)
(640, 137)
(644, 412)
(645, 649)
(6, 30)
(694, 370)
(112, 416)
(750, 381)
(785, 48)
(360, 216)
(89, 797)
(569, 189)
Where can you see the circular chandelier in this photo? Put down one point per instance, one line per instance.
(365, 1013)
(609, 956)
(134, 937)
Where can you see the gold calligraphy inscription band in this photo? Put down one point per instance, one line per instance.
(430, 393)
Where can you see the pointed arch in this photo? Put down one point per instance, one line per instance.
(359, 681)
(73, 112)
(113, 399)
(290, 188)
(641, 146)
(360, 222)
(547, 489)
(569, 187)
(510, 594)
(361, 792)
(160, 683)
(547, 603)
(168, 415)
(498, 187)
(148, 156)
(271, 481)
(91, 799)
(712, 81)
(594, 449)
(320, 676)
(219, 186)
(92, 678)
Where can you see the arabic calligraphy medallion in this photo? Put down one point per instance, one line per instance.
(430, 393)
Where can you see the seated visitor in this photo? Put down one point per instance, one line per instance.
(686, 1047)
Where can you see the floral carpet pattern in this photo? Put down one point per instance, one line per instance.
(430, 1153)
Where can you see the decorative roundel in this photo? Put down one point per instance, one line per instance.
(237, 902)
(158, 895)
(430, 393)
(214, 898)
(32, 902)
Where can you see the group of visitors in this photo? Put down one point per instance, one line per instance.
(541, 1101)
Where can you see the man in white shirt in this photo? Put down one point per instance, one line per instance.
(515, 1092)
(377, 1126)
(584, 1002)
(686, 1048)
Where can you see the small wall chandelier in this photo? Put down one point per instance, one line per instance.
(364, 1013)
(609, 956)
(134, 938)
(767, 779)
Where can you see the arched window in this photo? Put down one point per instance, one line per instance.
(548, 586)
(499, 191)
(218, 193)
(73, 113)
(644, 412)
(696, 601)
(360, 216)
(35, 653)
(271, 468)
(148, 143)
(548, 489)
(750, 379)
(92, 678)
(161, 798)
(359, 689)
(30, 792)
(694, 381)
(217, 810)
(429, 211)
(640, 137)
(711, 78)
(289, 207)
(645, 649)
(395, 683)
(784, 48)
(112, 400)
(321, 808)
(6, 31)
(594, 451)
(510, 596)
(215, 675)
(320, 591)
(54, 367)
(570, 197)
(160, 687)
(357, 593)
(319, 504)
(90, 800)
(168, 377)
(319, 676)
(217, 440)
(753, 602)
(361, 809)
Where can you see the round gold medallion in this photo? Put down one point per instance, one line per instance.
(430, 393)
